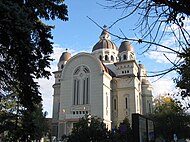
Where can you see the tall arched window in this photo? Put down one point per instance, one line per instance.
(126, 103)
(106, 57)
(81, 85)
(119, 58)
(124, 57)
(112, 58)
(114, 104)
(100, 57)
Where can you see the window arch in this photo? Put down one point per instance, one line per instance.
(126, 103)
(76, 70)
(119, 58)
(124, 57)
(106, 57)
(81, 85)
(100, 57)
(114, 104)
(112, 58)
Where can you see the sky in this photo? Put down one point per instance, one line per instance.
(80, 34)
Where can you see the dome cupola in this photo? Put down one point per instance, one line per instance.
(105, 41)
(65, 56)
(105, 49)
(126, 51)
(126, 46)
(63, 59)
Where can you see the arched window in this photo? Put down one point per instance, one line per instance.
(81, 85)
(100, 57)
(106, 57)
(124, 57)
(149, 106)
(114, 104)
(119, 58)
(112, 58)
(126, 103)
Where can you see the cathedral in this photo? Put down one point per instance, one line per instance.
(107, 83)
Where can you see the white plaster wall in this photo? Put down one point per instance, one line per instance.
(56, 100)
(108, 52)
(127, 68)
(96, 90)
(146, 98)
(125, 88)
(107, 99)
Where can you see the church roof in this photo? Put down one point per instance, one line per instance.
(104, 42)
(126, 46)
(65, 56)
(106, 69)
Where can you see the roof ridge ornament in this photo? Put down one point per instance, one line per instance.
(105, 34)
(105, 27)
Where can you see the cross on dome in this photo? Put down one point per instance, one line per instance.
(105, 27)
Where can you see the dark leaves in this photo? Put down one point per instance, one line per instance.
(25, 49)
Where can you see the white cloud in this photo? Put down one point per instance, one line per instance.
(163, 86)
(161, 54)
(169, 40)
(47, 92)
(46, 84)
(162, 57)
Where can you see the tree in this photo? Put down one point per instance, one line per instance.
(123, 133)
(156, 15)
(25, 48)
(158, 19)
(170, 118)
(8, 113)
(183, 81)
(19, 123)
(89, 129)
(26, 45)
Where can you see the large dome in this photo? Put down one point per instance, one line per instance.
(126, 46)
(105, 42)
(65, 56)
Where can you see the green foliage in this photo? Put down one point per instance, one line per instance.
(25, 49)
(183, 81)
(170, 118)
(25, 45)
(19, 123)
(93, 129)
(123, 133)
(165, 104)
(89, 129)
(9, 113)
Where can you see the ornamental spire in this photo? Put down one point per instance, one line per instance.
(105, 34)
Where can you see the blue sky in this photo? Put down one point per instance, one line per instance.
(81, 34)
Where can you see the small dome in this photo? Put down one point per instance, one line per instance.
(105, 42)
(65, 56)
(126, 46)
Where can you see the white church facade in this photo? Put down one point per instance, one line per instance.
(107, 83)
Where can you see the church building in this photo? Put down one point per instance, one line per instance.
(107, 83)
